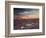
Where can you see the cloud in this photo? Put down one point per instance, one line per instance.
(25, 11)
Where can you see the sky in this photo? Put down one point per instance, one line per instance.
(25, 11)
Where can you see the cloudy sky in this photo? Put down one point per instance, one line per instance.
(26, 11)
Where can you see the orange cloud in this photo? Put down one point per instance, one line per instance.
(27, 17)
